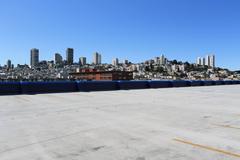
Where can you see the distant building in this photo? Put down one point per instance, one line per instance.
(203, 61)
(156, 60)
(125, 61)
(115, 62)
(92, 74)
(58, 58)
(162, 60)
(82, 61)
(34, 59)
(50, 64)
(151, 61)
(69, 56)
(43, 64)
(210, 61)
(97, 58)
(199, 61)
(9, 64)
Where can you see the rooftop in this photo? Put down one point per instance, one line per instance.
(163, 124)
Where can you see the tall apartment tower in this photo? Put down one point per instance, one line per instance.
(69, 56)
(162, 60)
(82, 61)
(115, 62)
(199, 61)
(34, 59)
(203, 61)
(9, 64)
(125, 61)
(156, 60)
(210, 61)
(97, 58)
(58, 58)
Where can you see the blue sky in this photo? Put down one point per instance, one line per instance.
(129, 29)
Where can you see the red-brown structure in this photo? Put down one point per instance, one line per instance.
(93, 74)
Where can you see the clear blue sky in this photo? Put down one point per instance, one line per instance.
(129, 29)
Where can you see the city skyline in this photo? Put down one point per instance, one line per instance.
(134, 30)
(58, 58)
(157, 67)
(73, 58)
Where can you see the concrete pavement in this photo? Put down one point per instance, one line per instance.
(154, 124)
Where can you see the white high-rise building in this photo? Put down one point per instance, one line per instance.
(199, 61)
(156, 60)
(162, 60)
(97, 58)
(115, 62)
(203, 62)
(82, 61)
(210, 61)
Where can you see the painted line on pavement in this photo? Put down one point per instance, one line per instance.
(226, 126)
(207, 147)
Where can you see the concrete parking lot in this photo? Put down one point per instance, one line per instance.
(190, 123)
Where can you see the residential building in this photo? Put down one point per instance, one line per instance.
(115, 62)
(203, 61)
(69, 55)
(58, 58)
(199, 61)
(82, 61)
(97, 58)
(125, 61)
(9, 64)
(162, 60)
(34, 59)
(210, 61)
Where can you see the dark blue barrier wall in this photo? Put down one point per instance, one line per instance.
(8, 88)
(219, 82)
(209, 83)
(48, 87)
(235, 82)
(228, 82)
(181, 83)
(197, 83)
(97, 85)
(160, 84)
(133, 84)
